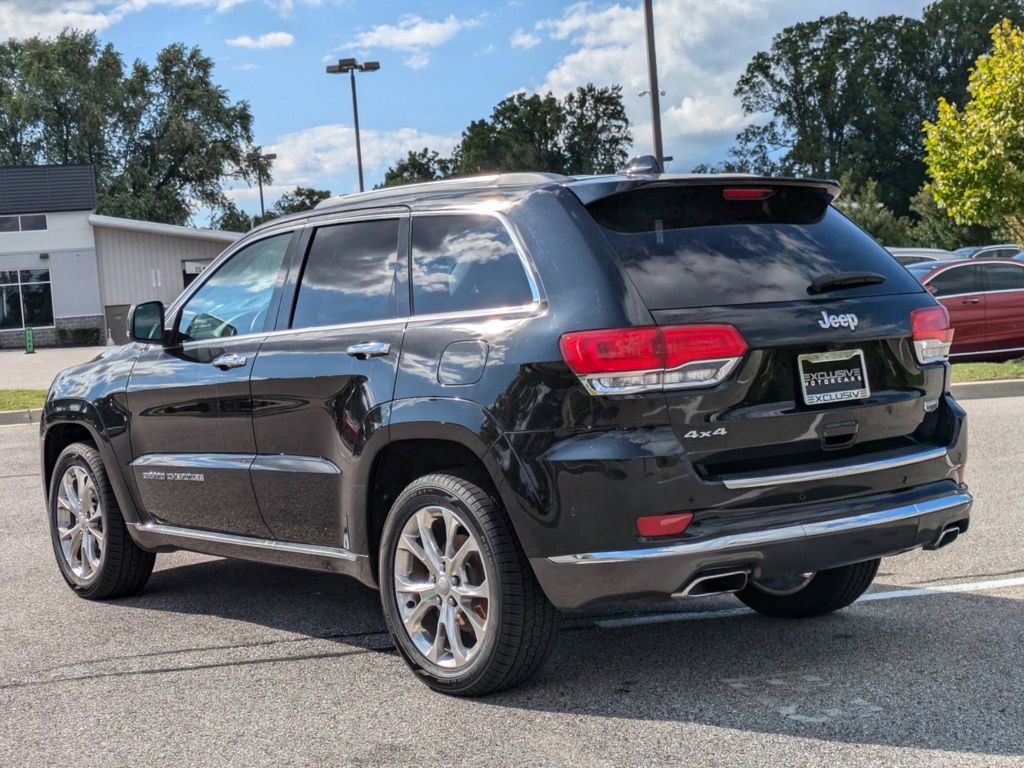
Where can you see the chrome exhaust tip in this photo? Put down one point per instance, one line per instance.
(713, 584)
(947, 536)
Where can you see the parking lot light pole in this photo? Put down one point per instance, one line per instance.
(256, 160)
(350, 66)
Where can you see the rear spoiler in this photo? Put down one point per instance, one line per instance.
(595, 188)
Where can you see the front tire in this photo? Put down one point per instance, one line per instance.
(97, 557)
(459, 597)
(815, 594)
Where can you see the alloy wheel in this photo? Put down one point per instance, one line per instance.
(442, 587)
(80, 527)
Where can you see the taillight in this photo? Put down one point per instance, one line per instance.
(622, 361)
(931, 333)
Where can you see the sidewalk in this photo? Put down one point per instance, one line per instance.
(36, 371)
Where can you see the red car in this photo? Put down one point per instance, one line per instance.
(985, 299)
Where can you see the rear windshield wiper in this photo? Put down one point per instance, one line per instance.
(840, 280)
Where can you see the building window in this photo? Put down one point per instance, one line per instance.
(30, 222)
(25, 299)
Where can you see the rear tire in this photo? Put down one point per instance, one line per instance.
(96, 555)
(824, 592)
(449, 559)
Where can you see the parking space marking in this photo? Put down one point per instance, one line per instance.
(894, 594)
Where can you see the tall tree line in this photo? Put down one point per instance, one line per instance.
(847, 96)
(163, 137)
(587, 131)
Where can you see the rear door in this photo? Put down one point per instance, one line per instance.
(1004, 305)
(322, 382)
(191, 410)
(829, 374)
(961, 290)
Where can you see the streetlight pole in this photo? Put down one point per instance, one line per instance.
(350, 66)
(652, 74)
(256, 159)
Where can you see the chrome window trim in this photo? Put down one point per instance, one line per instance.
(771, 536)
(744, 481)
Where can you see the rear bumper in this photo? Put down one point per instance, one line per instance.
(865, 530)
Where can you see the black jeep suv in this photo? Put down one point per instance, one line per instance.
(495, 398)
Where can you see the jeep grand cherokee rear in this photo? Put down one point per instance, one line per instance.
(797, 424)
(493, 398)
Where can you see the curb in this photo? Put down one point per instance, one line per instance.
(24, 416)
(978, 390)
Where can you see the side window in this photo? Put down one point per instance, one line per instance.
(234, 301)
(957, 280)
(1004, 277)
(349, 275)
(465, 262)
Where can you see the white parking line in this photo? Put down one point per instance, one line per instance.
(893, 594)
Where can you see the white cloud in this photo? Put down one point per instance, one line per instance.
(325, 156)
(268, 40)
(46, 18)
(523, 39)
(413, 35)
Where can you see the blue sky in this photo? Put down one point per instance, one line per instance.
(442, 65)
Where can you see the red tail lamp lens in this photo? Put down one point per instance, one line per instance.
(653, 526)
(649, 348)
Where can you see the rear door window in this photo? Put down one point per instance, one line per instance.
(688, 246)
(464, 262)
(965, 279)
(1004, 277)
(350, 275)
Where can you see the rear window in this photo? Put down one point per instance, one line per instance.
(687, 246)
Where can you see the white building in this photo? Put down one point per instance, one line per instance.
(65, 270)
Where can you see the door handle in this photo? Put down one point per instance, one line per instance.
(369, 349)
(229, 360)
(971, 301)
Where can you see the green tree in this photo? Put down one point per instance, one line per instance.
(848, 95)
(585, 132)
(863, 206)
(163, 138)
(230, 218)
(299, 200)
(975, 155)
(424, 165)
(935, 228)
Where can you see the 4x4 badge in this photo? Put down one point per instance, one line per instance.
(838, 321)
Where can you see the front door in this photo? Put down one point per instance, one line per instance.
(321, 383)
(191, 408)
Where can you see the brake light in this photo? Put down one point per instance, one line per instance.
(932, 334)
(663, 525)
(621, 361)
(747, 193)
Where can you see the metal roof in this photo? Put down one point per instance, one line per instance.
(153, 228)
(46, 188)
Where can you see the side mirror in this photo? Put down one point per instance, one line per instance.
(146, 322)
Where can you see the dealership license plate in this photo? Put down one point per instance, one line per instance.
(833, 377)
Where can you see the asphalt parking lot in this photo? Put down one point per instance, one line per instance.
(227, 663)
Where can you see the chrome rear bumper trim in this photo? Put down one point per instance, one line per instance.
(171, 532)
(755, 539)
(742, 481)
